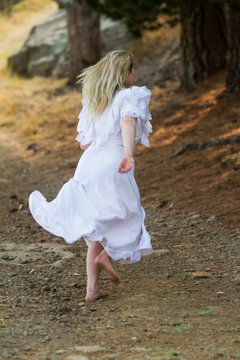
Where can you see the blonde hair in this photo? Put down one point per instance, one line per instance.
(100, 81)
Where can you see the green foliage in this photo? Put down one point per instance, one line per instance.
(140, 15)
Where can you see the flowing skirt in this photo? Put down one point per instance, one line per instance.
(99, 204)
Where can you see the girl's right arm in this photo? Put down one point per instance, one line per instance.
(128, 136)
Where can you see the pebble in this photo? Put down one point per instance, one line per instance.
(89, 349)
(46, 339)
(202, 276)
(196, 216)
(11, 274)
(212, 218)
(161, 251)
(7, 257)
(76, 357)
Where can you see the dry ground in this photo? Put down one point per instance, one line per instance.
(181, 302)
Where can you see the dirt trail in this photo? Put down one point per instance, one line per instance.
(181, 302)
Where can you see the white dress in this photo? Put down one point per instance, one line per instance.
(99, 203)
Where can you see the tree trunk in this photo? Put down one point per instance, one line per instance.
(233, 77)
(84, 37)
(203, 42)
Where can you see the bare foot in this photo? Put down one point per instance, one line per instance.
(95, 295)
(103, 262)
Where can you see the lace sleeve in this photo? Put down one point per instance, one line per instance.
(134, 102)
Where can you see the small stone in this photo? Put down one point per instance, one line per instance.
(28, 348)
(212, 218)
(76, 357)
(161, 251)
(161, 204)
(46, 339)
(196, 216)
(23, 261)
(11, 274)
(89, 349)
(7, 257)
(20, 207)
(81, 304)
(61, 351)
(202, 276)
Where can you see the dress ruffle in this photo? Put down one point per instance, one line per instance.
(61, 219)
(85, 128)
(132, 102)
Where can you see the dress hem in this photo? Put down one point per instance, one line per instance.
(45, 219)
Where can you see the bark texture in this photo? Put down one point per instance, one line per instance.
(233, 77)
(84, 37)
(203, 42)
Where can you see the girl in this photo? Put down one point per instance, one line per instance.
(101, 202)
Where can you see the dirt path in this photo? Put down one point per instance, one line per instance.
(182, 302)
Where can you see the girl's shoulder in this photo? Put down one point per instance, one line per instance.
(134, 92)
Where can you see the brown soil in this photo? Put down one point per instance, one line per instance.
(181, 302)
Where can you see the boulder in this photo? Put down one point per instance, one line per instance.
(46, 51)
(42, 51)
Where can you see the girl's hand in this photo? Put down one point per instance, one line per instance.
(126, 164)
(84, 147)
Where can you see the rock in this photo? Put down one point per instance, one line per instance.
(7, 257)
(46, 339)
(161, 252)
(11, 274)
(89, 349)
(46, 50)
(43, 49)
(212, 218)
(194, 217)
(161, 204)
(61, 351)
(76, 357)
(202, 276)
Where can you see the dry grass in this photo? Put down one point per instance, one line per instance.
(29, 108)
(32, 108)
(16, 26)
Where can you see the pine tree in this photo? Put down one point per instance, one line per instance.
(203, 35)
(233, 77)
(84, 37)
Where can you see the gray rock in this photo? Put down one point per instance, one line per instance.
(212, 218)
(7, 257)
(76, 357)
(42, 51)
(46, 51)
(161, 252)
(89, 349)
